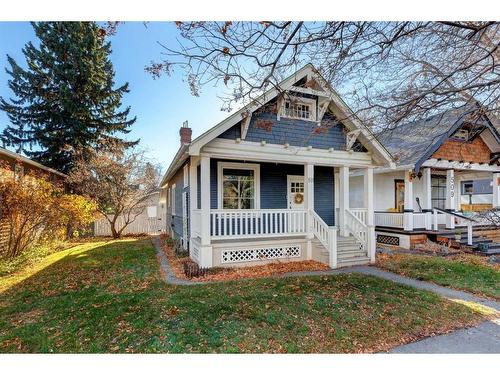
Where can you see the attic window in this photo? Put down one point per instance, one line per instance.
(299, 108)
(461, 134)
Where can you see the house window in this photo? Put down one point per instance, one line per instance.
(186, 176)
(172, 199)
(238, 186)
(299, 108)
(468, 187)
(438, 191)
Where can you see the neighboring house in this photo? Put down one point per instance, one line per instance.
(271, 182)
(148, 219)
(448, 162)
(18, 165)
(15, 165)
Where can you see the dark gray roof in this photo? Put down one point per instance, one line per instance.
(413, 143)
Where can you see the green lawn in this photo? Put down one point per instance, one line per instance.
(470, 273)
(109, 297)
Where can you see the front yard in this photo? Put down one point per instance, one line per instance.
(109, 297)
(466, 272)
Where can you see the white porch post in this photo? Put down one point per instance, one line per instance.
(496, 190)
(343, 199)
(368, 204)
(408, 202)
(206, 249)
(450, 198)
(309, 188)
(193, 197)
(427, 197)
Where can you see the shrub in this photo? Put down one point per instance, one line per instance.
(34, 210)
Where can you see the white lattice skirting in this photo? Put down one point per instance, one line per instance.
(266, 253)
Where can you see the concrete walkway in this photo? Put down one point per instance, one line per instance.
(484, 338)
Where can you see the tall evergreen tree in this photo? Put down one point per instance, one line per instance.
(65, 100)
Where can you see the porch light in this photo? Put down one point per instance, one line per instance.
(262, 143)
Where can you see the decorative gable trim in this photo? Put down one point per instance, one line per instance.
(341, 111)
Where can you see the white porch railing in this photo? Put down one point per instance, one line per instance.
(228, 224)
(356, 227)
(360, 213)
(327, 236)
(419, 220)
(389, 219)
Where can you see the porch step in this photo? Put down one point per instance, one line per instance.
(358, 261)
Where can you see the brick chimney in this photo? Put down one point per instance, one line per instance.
(185, 132)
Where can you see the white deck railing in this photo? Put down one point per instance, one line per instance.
(230, 224)
(389, 219)
(419, 220)
(360, 213)
(356, 227)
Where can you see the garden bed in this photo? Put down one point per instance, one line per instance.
(179, 262)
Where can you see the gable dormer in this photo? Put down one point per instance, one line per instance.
(303, 111)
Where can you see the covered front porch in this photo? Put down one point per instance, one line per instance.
(254, 211)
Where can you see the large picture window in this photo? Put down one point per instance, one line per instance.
(238, 186)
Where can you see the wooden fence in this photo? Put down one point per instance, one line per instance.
(141, 225)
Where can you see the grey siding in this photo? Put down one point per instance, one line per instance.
(174, 219)
(295, 132)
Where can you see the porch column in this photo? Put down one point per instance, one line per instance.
(206, 249)
(496, 190)
(368, 204)
(309, 189)
(450, 198)
(343, 199)
(427, 197)
(408, 202)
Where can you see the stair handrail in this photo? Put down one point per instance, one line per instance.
(320, 229)
(326, 235)
(449, 212)
(357, 228)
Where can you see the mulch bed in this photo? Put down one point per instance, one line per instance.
(235, 273)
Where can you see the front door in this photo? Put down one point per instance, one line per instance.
(296, 197)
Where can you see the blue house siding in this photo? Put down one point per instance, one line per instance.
(273, 187)
(294, 132)
(324, 194)
(273, 183)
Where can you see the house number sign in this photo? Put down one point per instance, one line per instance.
(452, 187)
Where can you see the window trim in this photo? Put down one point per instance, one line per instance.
(172, 199)
(299, 100)
(243, 166)
(186, 175)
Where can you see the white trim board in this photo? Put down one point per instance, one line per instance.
(245, 166)
(445, 164)
(253, 151)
